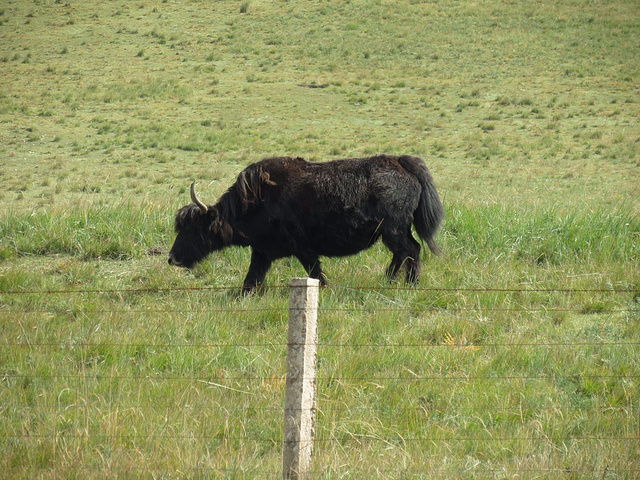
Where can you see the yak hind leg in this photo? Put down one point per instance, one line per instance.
(260, 264)
(312, 265)
(412, 265)
(406, 253)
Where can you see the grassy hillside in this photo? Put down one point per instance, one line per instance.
(516, 357)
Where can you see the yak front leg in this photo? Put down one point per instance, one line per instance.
(312, 265)
(260, 264)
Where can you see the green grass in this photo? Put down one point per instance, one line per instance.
(133, 357)
(516, 357)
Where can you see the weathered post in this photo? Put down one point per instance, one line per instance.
(300, 395)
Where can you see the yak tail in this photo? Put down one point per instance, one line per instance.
(429, 215)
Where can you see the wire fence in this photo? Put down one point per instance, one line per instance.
(220, 416)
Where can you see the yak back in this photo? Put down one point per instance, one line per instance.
(312, 185)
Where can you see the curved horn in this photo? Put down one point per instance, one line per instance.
(196, 200)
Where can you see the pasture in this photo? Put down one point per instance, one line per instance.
(517, 356)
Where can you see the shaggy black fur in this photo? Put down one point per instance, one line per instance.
(284, 206)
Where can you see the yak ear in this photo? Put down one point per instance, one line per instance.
(226, 233)
(223, 230)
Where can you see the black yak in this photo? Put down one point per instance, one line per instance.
(282, 207)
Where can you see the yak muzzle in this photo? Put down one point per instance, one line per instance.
(174, 261)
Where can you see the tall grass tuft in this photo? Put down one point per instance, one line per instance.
(544, 237)
(122, 232)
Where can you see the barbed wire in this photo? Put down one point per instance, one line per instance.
(323, 410)
(358, 378)
(423, 308)
(602, 472)
(453, 345)
(319, 439)
(613, 290)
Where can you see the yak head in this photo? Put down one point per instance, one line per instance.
(200, 230)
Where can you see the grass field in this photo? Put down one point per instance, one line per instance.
(516, 357)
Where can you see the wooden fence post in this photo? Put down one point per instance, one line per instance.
(300, 395)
